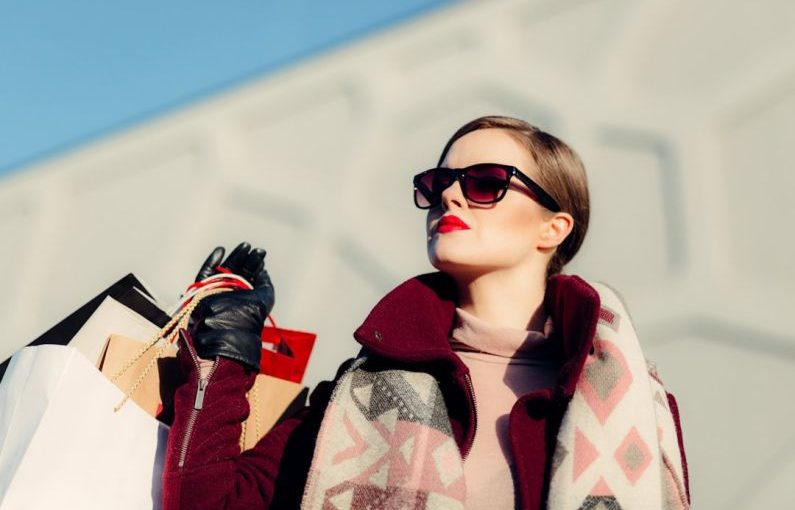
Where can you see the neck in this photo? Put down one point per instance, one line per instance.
(506, 297)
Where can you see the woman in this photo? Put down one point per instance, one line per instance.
(496, 382)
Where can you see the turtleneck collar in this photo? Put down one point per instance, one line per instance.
(412, 323)
(471, 333)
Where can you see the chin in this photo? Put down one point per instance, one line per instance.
(457, 265)
(459, 262)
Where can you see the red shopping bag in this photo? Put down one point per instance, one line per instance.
(285, 352)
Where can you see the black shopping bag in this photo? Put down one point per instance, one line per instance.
(129, 291)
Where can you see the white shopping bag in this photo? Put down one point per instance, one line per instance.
(111, 318)
(63, 446)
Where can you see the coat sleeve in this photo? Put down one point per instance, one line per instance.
(204, 468)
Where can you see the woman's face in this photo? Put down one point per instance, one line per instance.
(509, 234)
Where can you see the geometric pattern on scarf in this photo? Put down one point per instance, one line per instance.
(385, 442)
(617, 445)
(600, 503)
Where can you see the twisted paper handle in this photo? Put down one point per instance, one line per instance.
(253, 400)
(215, 284)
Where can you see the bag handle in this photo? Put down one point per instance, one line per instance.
(224, 281)
(254, 415)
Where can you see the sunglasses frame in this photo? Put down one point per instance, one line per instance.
(542, 197)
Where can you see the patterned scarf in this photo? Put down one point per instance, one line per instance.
(617, 446)
(386, 442)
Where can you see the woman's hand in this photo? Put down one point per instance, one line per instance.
(229, 324)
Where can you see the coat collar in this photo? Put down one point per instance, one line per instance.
(412, 323)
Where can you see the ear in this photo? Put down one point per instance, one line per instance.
(555, 229)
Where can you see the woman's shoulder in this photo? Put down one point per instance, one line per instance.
(609, 296)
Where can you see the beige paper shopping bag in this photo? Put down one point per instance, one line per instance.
(150, 377)
(270, 400)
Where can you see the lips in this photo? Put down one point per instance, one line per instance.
(449, 223)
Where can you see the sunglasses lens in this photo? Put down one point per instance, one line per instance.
(485, 184)
(421, 199)
(430, 186)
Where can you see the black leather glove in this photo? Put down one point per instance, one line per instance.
(229, 324)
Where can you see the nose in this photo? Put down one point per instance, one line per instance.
(453, 196)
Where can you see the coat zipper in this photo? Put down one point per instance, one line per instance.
(198, 403)
(475, 409)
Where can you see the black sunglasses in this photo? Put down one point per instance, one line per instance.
(484, 183)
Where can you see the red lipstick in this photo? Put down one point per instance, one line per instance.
(450, 222)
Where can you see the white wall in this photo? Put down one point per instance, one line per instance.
(682, 111)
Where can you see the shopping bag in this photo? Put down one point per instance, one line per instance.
(129, 291)
(271, 401)
(62, 444)
(286, 352)
(150, 377)
(111, 317)
(147, 372)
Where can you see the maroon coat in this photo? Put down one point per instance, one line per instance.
(204, 466)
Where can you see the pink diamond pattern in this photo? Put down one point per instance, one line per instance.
(633, 456)
(584, 453)
(605, 380)
(601, 488)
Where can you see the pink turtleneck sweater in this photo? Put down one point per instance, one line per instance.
(504, 364)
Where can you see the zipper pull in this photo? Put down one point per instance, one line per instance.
(199, 402)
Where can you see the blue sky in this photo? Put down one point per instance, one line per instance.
(72, 72)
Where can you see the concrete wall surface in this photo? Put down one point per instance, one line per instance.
(684, 113)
